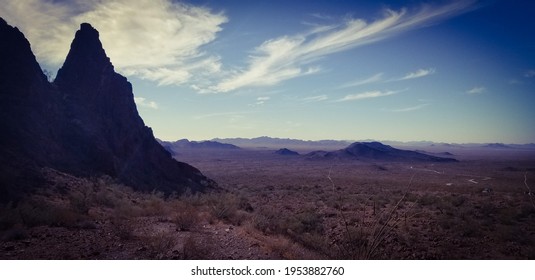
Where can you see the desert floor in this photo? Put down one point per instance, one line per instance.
(270, 206)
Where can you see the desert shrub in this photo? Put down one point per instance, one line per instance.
(282, 247)
(427, 200)
(353, 244)
(446, 222)
(526, 212)
(154, 205)
(223, 206)
(80, 202)
(160, 244)
(266, 220)
(488, 209)
(470, 228)
(127, 209)
(37, 212)
(185, 217)
(308, 221)
(457, 200)
(123, 228)
(197, 248)
(107, 198)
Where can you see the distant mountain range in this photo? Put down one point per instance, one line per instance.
(278, 143)
(185, 144)
(378, 152)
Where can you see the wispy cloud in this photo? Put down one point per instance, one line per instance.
(418, 74)
(291, 56)
(143, 102)
(216, 115)
(158, 40)
(373, 79)
(366, 95)
(409, 109)
(476, 90)
(316, 98)
(261, 100)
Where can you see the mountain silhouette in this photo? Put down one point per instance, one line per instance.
(376, 151)
(286, 152)
(85, 123)
(182, 144)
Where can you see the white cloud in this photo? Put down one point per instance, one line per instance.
(476, 90)
(366, 95)
(418, 74)
(409, 109)
(141, 101)
(289, 57)
(316, 98)
(261, 100)
(373, 79)
(158, 40)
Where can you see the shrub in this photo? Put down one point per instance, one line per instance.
(185, 217)
(196, 249)
(160, 244)
(122, 228)
(37, 212)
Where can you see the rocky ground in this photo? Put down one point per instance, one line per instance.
(271, 208)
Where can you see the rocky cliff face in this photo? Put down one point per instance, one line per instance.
(85, 123)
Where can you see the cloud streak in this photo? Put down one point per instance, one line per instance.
(158, 40)
(476, 90)
(316, 98)
(370, 80)
(409, 109)
(366, 95)
(418, 74)
(291, 56)
(262, 100)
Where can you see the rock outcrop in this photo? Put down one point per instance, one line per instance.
(85, 122)
(377, 152)
(286, 152)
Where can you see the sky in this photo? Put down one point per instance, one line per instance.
(443, 71)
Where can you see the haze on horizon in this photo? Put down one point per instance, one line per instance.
(450, 71)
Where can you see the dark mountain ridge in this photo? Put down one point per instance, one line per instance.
(85, 123)
(376, 151)
(272, 142)
(186, 144)
(286, 152)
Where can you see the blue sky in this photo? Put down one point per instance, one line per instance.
(449, 71)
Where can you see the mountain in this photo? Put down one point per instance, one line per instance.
(270, 142)
(496, 146)
(85, 123)
(186, 144)
(286, 152)
(376, 151)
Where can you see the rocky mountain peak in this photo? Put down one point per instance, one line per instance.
(86, 125)
(86, 61)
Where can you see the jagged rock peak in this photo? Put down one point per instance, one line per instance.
(87, 59)
(19, 68)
